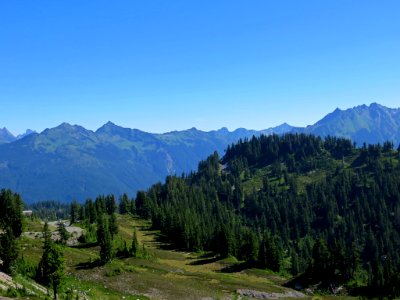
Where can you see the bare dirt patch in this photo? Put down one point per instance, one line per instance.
(76, 232)
(264, 295)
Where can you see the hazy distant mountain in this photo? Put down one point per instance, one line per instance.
(27, 132)
(281, 129)
(6, 136)
(369, 124)
(71, 162)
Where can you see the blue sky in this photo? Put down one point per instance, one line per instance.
(166, 65)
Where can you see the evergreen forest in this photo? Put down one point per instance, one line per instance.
(321, 210)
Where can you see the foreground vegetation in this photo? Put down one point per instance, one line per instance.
(157, 271)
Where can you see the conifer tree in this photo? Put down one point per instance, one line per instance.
(113, 226)
(249, 251)
(11, 212)
(110, 204)
(104, 239)
(124, 205)
(321, 259)
(64, 235)
(8, 250)
(11, 223)
(74, 211)
(135, 244)
(50, 270)
(271, 256)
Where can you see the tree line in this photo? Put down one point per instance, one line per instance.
(99, 219)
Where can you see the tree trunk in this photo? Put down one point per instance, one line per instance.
(55, 291)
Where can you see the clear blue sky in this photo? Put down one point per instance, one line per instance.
(165, 65)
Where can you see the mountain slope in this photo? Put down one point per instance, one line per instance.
(369, 124)
(70, 162)
(26, 133)
(6, 136)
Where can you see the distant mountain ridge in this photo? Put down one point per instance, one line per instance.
(70, 162)
(370, 124)
(7, 137)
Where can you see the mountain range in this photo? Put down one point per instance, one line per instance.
(362, 124)
(7, 137)
(70, 162)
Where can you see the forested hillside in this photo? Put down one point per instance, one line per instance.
(319, 209)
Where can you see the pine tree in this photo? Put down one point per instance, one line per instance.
(64, 235)
(262, 255)
(50, 270)
(135, 245)
(321, 259)
(111, 205)
(10, 228)
(273, 257)
(113, 226)
(11, 212)
(224, 241)
(268, 254)
(46, 235)
(294, 264)
(124, 205)
(249, 251)
(141, 206)
(104, 239)
(74, 211)
(8, 250)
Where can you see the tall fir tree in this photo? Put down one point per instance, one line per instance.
(135, 244)
(8, 251)
(104, 239)
(124, 205)
(50, 271)
(63, 234)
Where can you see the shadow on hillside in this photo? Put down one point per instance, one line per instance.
(89, 265)
(205, 261)
(207, 255)
(144, 228)
(238, 267)
(85, 245)
(165, 245)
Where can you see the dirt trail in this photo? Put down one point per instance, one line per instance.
(263, 295)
